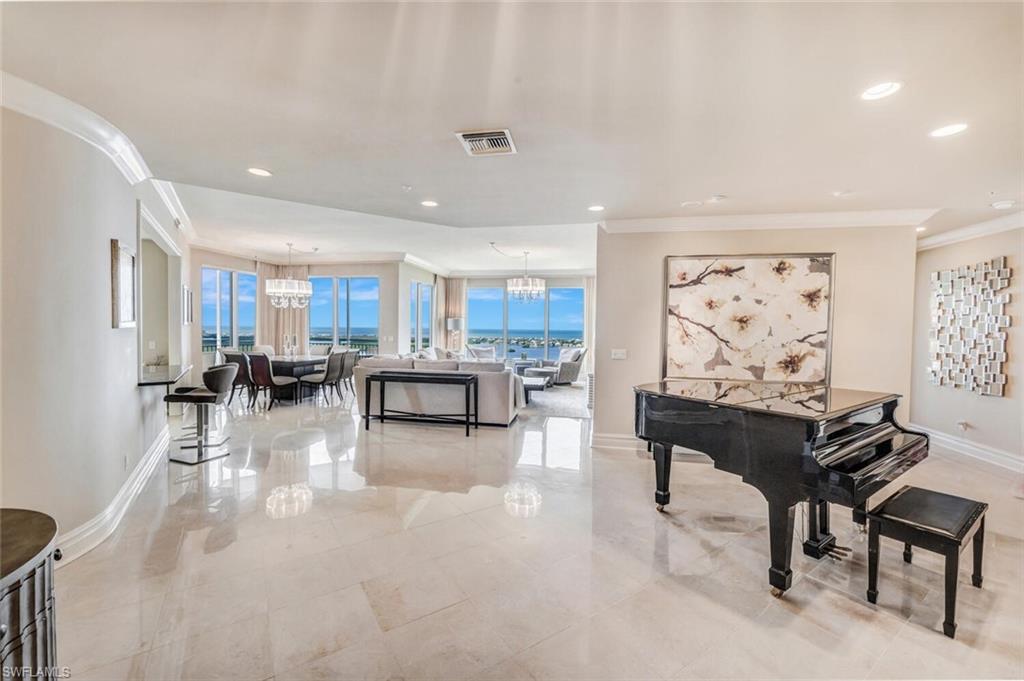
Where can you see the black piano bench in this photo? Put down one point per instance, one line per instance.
(932, 521)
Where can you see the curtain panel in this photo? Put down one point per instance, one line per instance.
(455, 308)
(275, 324)
(589, 321)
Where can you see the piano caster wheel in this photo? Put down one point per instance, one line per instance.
(661, 507)
(777, 592)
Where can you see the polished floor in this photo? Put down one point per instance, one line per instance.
(320, 551)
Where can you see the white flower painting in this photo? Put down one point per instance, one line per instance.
(761, 318)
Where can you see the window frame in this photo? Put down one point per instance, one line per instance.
(416, 290)
(335, 317)
(549, 284)
(217, 308)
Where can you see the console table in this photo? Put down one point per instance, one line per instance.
(469, 381)
(28, 640)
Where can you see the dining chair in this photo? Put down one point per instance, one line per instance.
(265, 380)
(328, 377)
(243, 379)
(347, 371)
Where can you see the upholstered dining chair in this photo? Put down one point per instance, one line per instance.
(347, 371)
(265, 380)
(328, 378)
(217, 384)
(243, 380)
(265, 349)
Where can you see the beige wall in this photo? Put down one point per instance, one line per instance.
(74, 422)
(992, 421)
(873, 313)
(153, 296)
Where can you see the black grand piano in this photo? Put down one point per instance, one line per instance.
(794, 442)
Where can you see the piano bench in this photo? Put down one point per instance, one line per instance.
(932, 521)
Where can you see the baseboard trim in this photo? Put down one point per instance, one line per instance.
(82, 539)
(959, 445)
(618, 441)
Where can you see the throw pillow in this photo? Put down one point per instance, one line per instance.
(481, 352)
(567, 355)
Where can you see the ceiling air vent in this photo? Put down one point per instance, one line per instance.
(487, 142)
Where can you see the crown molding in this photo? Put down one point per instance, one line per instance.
(504, 274)
(1004, 223)
(49, 107)
(174, 206)
(154, 224)
(763, 221)
(417, 261)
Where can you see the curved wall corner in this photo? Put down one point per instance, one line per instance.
(74, 425)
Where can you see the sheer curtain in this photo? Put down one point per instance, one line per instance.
(455, 308)
(589, 326)
(275, 323)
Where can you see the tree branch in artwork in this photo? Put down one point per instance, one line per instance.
(809, 336)
(709, 271)
(683, 321)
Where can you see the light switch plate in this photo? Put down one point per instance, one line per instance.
(619, 353)
(152, 345)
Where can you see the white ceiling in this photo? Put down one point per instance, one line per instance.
(634, 106)
(253, 225)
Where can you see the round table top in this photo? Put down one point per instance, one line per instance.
(24, 535)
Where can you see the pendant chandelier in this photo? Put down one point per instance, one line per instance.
(525, 288)
(289, 292)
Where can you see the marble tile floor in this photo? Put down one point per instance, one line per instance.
(320, 551)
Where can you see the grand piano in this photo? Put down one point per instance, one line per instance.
(794, 442)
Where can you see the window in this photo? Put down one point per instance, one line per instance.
(485, 322)
(565, 320)
(421, 301)
(228, 312)
(539, 329)
(345, 311)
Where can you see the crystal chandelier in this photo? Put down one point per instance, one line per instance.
(289, 292)
(525, 288)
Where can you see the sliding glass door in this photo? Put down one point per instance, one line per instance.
(538, 329)
(227, 311)
(421, 308)
(345, 311)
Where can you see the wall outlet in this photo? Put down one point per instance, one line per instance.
(152, 345)
(619, 353)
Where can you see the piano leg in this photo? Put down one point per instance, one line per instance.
(780, 529)
(819, 539)
(662, 472)
(860, 516)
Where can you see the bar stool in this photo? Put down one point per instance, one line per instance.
(217, 381)
(932, 521)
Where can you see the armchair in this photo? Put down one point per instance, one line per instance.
(569, 363)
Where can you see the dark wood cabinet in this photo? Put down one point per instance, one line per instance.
(28, 643)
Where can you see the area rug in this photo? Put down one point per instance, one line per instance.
(560, 400)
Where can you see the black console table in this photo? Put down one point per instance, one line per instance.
(28, 640)
(469, 381)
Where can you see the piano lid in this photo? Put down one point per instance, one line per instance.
(801, 400)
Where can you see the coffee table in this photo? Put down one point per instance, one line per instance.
(531, 383)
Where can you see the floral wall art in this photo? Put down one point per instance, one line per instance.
(762, 318)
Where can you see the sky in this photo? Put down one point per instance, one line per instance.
(363, 295)
(485, 311)
(246, 300)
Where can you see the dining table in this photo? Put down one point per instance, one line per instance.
(296, 366)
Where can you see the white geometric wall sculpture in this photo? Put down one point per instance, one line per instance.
(967, 340)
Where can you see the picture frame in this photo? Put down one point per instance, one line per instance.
(703, 294)
(123, 287)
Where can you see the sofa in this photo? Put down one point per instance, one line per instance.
(501, 391)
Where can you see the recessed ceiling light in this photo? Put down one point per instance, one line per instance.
(1004, 205)
(429, 203)
(597, 208)
(406, 187)
(691, 204)
(717, 198)
(839, 193)
(921, 229)
(947, 130)
(260, 172)
(881, 90)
